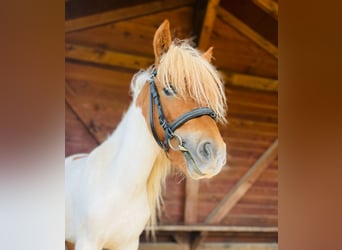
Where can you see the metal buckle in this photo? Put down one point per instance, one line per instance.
(180, 146)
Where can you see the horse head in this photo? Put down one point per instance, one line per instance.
(182, 105)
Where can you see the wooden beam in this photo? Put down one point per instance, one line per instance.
(208, 24)
(238, 191)
(119, 59)
(123, 14)
(160, 246)
(238, 246)
(210, 246)
(249, 81)
(106, 57)
(269, 6)
(215, 228)
(228, 18)
(191, 198)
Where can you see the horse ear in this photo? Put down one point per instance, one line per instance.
(161, 40)
(208, 54)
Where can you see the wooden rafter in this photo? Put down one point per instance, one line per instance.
(182, 234)
(249, 81)
(215, 228)
(123, 14)
(106, 57)
(208, 23)
(119, 59)
(210, 246)
(230, 19)
(238, 191)
(269, 6)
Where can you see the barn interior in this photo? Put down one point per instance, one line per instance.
(107, 42)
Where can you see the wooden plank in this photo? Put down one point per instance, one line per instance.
(232, 246)
(191, 198)
(248, 200)
(123, 14)
(209, 246)
(210, 194)
(249, 81)
(252, 114)
(71, 99)
(249, 135)
(257, 220)
(248, 144)
(269, 6)
(106, 57)
(238, 246)
(253, 209)
(91, 73)
(247, 31)
(78, 138)
(265, 99)
(249, 131)
(134, 62)
(253, 125)
(134, 36)
(160, 246)
(236, 172)
(208, 24)
(237, 192)
(236, 52)
(215, 228)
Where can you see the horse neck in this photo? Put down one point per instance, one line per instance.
(130, 152)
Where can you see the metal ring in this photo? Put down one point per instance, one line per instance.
(180, 143)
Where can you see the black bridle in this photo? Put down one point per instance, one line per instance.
(169, 128)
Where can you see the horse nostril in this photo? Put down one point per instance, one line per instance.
(205, 150)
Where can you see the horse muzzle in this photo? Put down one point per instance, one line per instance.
(204, 159)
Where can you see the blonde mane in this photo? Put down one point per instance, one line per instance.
(155, 185)
(191, 75)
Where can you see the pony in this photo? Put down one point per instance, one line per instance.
(113, 192)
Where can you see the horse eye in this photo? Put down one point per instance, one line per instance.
(169, 91)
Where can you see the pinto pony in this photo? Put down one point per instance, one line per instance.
(112, 193)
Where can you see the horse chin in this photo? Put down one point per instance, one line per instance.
(194, 175)
(193, 169)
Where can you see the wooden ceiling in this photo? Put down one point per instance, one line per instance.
(108, 41)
